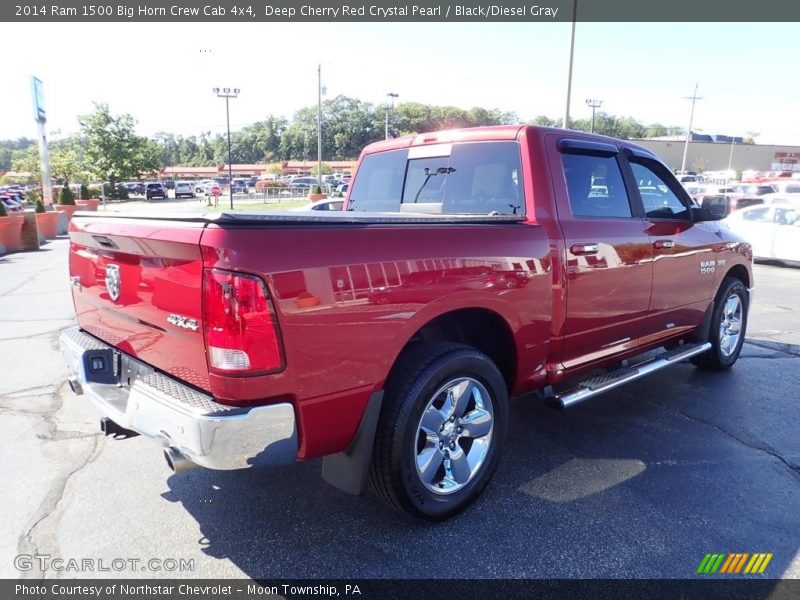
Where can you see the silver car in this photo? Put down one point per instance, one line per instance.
(184, 189)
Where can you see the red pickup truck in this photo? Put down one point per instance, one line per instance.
(468, 266)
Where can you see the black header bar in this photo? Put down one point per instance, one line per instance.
(419, 11)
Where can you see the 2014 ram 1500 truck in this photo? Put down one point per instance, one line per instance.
(467, 266)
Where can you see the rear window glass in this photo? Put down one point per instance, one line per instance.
(469, 178)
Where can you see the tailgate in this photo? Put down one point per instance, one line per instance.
(136, 285)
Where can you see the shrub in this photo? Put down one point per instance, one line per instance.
(94, 192)
(3, 212)
(32, 196)
(66, 197)
(40, 207)
(262, 184)
(85, 193)
(120, 193)
(315, 189)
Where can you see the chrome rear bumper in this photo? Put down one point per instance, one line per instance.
(139, 398)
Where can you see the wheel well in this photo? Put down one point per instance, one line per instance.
(480, 328)
(740, 273)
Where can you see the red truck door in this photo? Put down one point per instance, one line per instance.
(608, 252)
(684, 261)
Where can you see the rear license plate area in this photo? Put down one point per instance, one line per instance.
(101, 366)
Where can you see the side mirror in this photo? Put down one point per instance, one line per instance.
(713, 208)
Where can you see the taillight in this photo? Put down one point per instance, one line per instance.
(240, 328)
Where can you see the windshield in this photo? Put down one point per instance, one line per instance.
(480, 178)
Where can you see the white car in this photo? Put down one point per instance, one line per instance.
(772, 229)
(184, 188)
(199, 186)
(791, 186)
(331, 204)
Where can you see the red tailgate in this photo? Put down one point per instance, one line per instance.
(136, 285)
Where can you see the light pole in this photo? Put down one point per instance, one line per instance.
(694, 98)
(391, 96)
(320, 92)
(569, 63)
(594, 104)
(228, 93)
(730, 162)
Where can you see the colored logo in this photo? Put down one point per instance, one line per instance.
(734, 563)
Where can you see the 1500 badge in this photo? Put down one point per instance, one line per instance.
(707, 266)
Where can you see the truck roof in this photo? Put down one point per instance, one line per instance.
(488, 133)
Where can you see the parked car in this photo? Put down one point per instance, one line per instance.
(136, 188)
(168, 184)
(11, 203)
(155, 190)
(327, 205)
(184, 188)
(791, 186)
(792, 199)
(342, 189)
(283, 341)
(303, 182)
(199, 186)
(773, 230)
(239, 186)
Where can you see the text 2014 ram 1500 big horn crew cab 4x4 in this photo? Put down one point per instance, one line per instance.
(468, 266)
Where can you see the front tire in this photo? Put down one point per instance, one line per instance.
(440, 432)
(728, 327)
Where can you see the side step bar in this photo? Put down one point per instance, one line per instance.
(613, 379)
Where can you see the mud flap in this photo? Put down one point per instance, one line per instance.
(348, 470)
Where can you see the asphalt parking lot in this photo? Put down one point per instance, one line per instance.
(642, 482)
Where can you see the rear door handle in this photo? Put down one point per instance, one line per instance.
(584, 248)
(663, 244)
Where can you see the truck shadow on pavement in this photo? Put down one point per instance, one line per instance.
(646, 471)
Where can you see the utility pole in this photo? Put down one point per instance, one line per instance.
(694, 98)
(391, 96)
(569, 64)
(319, 125)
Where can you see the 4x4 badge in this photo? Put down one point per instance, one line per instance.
(183, 322)
(113, 282)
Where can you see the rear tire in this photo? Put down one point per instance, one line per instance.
(441, 430)
(728, 327)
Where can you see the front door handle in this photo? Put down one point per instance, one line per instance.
(584, 248)
(663, 244)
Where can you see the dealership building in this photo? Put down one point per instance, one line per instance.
(715, 152)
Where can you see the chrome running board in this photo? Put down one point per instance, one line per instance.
(597, 384)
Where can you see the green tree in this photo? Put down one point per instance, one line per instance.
(27, 161)
(326, 170)
(9, 149)
(113, 150)
(68, 161)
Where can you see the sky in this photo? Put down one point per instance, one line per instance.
(163, 73)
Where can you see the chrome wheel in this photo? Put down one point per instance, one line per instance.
(454, 435)
(730, 326)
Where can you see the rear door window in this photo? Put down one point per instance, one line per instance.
(595, 186)
(466, 178)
